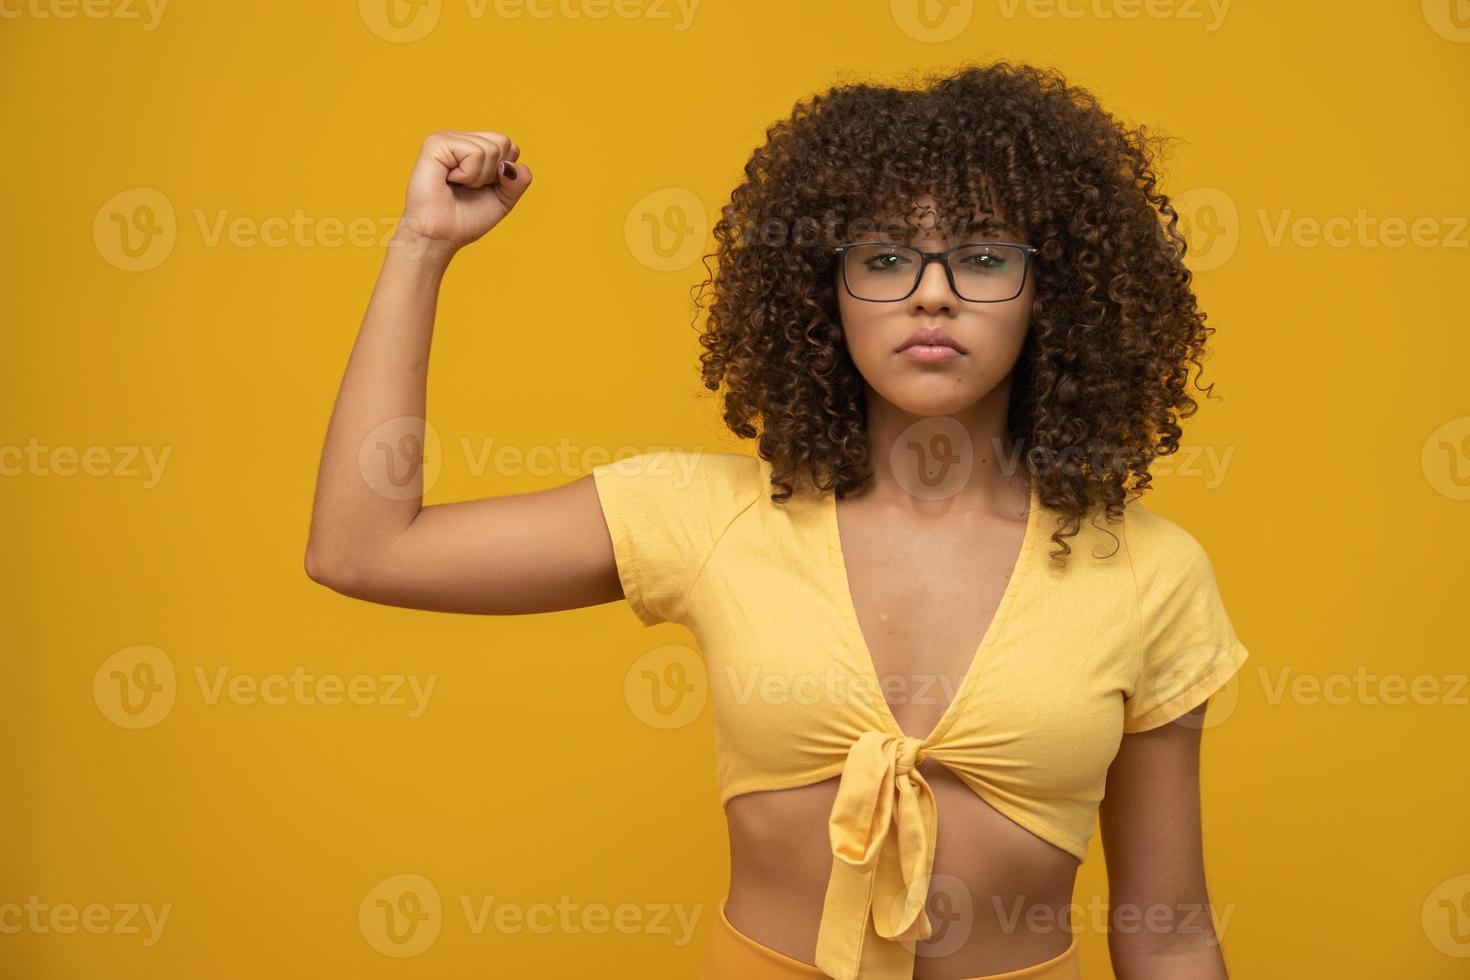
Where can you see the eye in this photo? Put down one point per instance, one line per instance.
(885, 261)
(985, 262)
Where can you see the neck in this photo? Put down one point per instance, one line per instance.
(963, 460)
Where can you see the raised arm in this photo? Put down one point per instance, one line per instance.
(371, 537)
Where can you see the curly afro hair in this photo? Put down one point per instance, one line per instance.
(1101, 379)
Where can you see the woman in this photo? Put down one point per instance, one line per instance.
(956, 318)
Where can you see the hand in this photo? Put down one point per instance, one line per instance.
(459, 188)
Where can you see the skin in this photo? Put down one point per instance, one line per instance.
(550, 549)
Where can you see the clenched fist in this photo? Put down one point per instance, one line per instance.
(462, 185)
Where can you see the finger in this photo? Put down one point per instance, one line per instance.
(470, 162)
(490, 160)
(508, 148)
(451, 151)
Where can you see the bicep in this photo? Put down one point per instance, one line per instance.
(513, 554)
(1150, 817)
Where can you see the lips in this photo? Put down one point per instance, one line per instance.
(932, 337)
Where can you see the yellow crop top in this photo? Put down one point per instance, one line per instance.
(1072, 660)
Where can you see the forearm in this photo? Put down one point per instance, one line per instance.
(370, 478)
(1167, 943)
(1188, 961)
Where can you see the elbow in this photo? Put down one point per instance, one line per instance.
(327, 571)
(317, 568)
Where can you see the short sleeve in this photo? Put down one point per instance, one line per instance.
(1188, 646)
(664, 512)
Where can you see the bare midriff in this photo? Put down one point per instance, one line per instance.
(998, 899)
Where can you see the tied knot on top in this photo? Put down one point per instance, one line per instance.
(882, 829)
(910, 754)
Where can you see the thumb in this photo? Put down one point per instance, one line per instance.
(512, 181)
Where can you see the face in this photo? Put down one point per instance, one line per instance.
(924, 381)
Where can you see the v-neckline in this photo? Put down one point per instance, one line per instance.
(869, 668)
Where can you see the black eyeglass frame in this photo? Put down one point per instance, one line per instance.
(1027, 251)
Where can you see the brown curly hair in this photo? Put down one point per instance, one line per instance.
(1101, 379)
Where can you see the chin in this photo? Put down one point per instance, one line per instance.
(936, 394)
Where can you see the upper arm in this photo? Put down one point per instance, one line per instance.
(638, 527)
(1150, 813)
(1152, 842)
(515, 553)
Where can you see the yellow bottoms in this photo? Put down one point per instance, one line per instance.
(732, 955)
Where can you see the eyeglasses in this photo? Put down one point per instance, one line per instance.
(979, 272)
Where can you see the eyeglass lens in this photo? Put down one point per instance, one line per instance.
(887, 271)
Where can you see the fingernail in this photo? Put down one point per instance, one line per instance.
(508, 169)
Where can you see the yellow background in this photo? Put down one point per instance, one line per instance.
(1335, 510)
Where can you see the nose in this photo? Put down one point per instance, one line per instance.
(933, 295)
